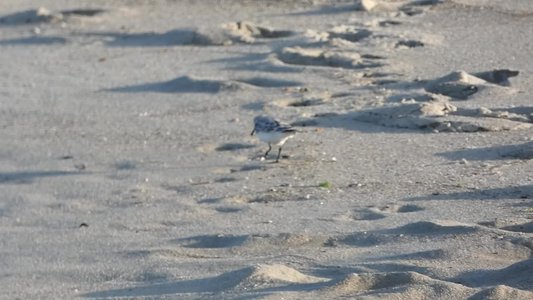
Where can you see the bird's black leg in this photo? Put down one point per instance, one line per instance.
(279, 154)
(269, 148)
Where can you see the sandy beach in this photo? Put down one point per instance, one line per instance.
(127, 168)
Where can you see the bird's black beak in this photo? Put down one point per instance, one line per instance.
(253, 131)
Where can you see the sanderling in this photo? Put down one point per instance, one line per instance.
(271, 132)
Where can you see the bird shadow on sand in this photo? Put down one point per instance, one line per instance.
(511, 192)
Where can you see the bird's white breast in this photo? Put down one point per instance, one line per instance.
(275, 137)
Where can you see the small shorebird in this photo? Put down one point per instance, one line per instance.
(270, 131)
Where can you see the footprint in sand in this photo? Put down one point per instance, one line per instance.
(265, 82)
(376, 213)
(395, 208)
(248, 32)
(213, 241)
(436, 104)
(308, 98)
(409, 44)
(254, 243)
(526, 227)
(324, 58)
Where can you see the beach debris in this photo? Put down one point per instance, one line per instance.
(80, 166)
(349, 33)
(325, 185)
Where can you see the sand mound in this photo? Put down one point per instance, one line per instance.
(275, 274)
(185, 84)
(502, 292)
(223, 35)
(403, 285)
(461, 85)
(433, 228)
(518, 275)
(431, 107)
(439, 116)
(406, 233)
(415, 115)
(364, 282)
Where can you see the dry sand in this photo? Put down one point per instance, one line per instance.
(127, 169)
